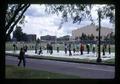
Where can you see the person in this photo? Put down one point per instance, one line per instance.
(14, 46)
(21, 57)
(88, 48)
(51, 49)
(103, 49)
(40, 52)
(81, 49)
(93, 49)
(74, 48)
(69, 48)
(109, 48)
(47, 46)
(65, 46)
(57, 48)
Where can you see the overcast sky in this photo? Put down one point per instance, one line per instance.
(41, 23)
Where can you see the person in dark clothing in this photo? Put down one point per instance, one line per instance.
(14, 46)
(40, 52)
(109, 48)
(88, 48)
(47, 46)
(57, 48)
(65, 46)
(69, 48)
(51, 48)
(21, 57)
(93, 48)
(103, 49)
(74, 48)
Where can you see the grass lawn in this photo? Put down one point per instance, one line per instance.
(14, 72)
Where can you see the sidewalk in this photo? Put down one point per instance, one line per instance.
(86, 58)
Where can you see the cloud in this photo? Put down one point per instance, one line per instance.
(36, 10)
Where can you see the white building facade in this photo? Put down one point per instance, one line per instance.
(91, 29)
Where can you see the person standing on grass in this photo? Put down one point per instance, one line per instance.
(69, 48)
(47, 46)
(93, 48)
(74, 48)
(109, 48)
(65, 46)
(51, 49)
(14, 46)
(21, 57)
(40, 52)
(81, 48)
(103, 49)
(57, 48)
(88, 48)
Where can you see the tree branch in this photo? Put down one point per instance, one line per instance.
(14, 16)
(12, 27)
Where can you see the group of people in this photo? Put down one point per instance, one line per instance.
(105, 47)
(67, 47)
(89, 48)
(78, 48)
(49, 48)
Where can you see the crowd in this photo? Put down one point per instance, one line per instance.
(68, 47)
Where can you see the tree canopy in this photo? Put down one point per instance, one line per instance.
(78, 12)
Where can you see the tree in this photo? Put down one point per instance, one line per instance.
(77, 12)
(92, 37)
(8, 38)
(18, 34)
(24, 37)
(14, 15)
(83, 37)
(108, 11)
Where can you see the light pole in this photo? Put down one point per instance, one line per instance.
(99, 39)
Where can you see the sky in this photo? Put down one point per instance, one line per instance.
(41, 23)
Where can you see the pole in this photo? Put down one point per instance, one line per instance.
(99, 41)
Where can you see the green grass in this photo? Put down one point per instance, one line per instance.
(109, 61)
(13, 72)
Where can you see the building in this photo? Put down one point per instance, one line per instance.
(91, 29)
(64, 38)
(48, 38)
(31, 37)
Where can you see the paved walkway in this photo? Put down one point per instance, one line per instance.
(90, 71)
(74, 55)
